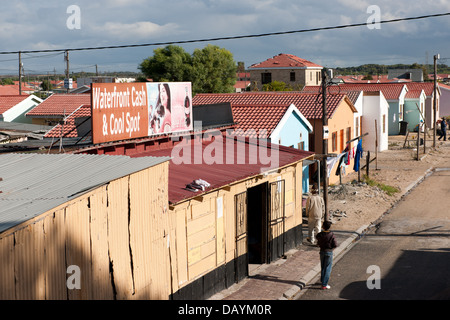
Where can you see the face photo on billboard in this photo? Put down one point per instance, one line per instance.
(159, 107)
(169, 106)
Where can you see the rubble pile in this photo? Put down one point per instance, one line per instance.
(355, 190)
(336, 215)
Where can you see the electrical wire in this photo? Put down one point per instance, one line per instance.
(231, 37)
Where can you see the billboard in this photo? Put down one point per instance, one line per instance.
(123, 111)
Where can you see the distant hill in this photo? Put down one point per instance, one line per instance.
(374, 69)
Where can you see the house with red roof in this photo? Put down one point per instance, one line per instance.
(242, 81)
(14, 107)
(292, 70)
(372, 108)
(414, 111)
(14, 89)
(75, 125)
(340, 114)
(428, 88)
(227, 206)
(394, 93)
(57, 107)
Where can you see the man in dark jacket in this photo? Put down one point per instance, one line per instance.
(327, 243)
(443, 130)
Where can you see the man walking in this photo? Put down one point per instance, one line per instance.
(315, 211)
(443, 130)
(327, 243)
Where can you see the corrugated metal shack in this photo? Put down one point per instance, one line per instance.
(249, 213)
(105, 215)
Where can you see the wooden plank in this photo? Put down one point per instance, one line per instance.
(220, 231)
(149, 224)
(202, 222)
(200, 209)
(55, 252)
(298, 194)
(118, 238)
(198, 253)
(230, 226)
(289, 197)
(140, 231)
(101, 276)
(78, 247)
(28, 261)
(7, 286)
(202, 267)
(173, 261)
(201, 237)
(181, 245)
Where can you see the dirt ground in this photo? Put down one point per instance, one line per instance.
(354, 204)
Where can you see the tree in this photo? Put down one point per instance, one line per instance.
(211, 69)
(170, 63)
(276, 86)
(46, 85)
(7, 81)
(240, 67)
(214, 70)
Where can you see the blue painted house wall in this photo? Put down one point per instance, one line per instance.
(293, 132)
(394, 123)
(293, 129)
(412, 114)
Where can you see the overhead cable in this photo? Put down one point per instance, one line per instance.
(231, 37)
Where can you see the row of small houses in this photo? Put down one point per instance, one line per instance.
(115, 221)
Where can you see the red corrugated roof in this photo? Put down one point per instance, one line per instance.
(60, 105)
(284, 60)
(69, 128)
(391, 91)
(309, 104)
(219, 174)
(7, 102)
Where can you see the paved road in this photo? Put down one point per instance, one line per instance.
(410, 250)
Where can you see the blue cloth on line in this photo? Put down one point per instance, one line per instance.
(358, 155)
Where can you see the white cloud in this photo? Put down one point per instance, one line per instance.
(134, 31)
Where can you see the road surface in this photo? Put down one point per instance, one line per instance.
(406, 257)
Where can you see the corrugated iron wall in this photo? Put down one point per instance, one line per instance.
(117, 235)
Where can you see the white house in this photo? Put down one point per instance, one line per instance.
(13, 108)
(375, 112)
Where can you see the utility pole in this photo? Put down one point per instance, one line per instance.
(67, 69)
(325, 141)
(20, 73)
(96, 70)
(436, 58)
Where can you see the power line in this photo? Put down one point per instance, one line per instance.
(231, 37)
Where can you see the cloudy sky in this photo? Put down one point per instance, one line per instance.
(51, 24)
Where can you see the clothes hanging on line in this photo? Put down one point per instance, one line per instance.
(358, 155)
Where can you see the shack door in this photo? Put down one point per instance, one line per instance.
(241, 257)
(276, 220)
